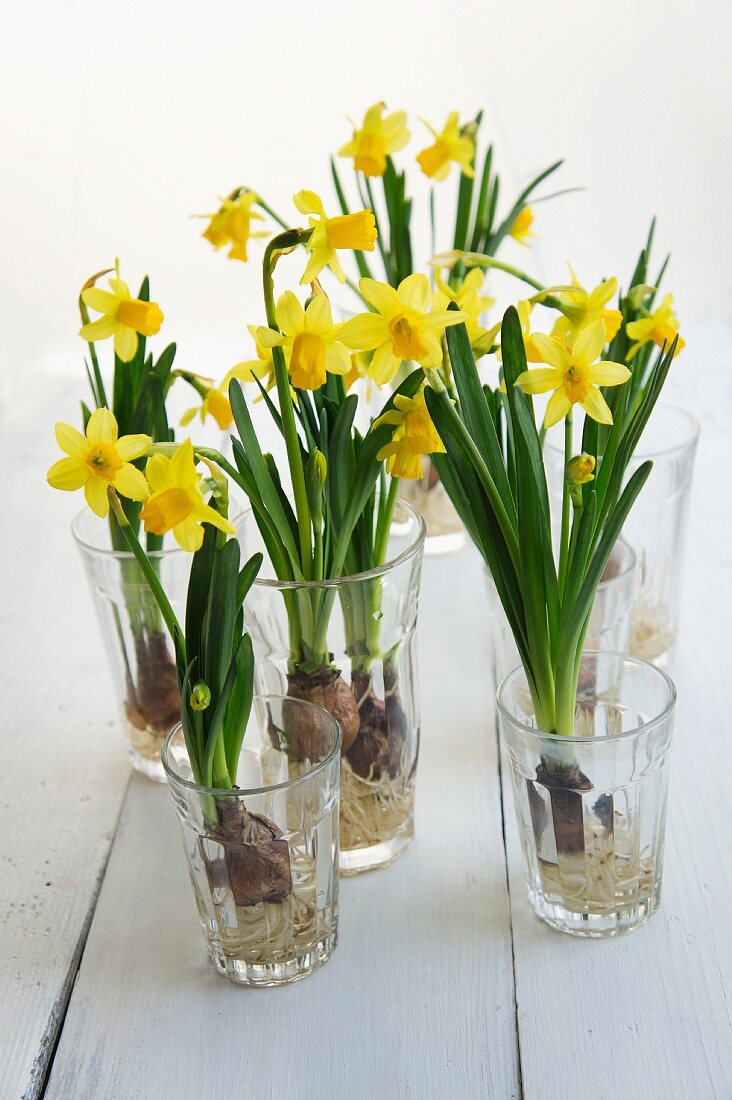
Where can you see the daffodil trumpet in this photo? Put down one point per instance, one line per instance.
(498, 485)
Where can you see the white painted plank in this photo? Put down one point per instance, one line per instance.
(417, 1000)
(64, 769)
(649, 1013)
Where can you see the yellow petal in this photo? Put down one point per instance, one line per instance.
(95, 492)
(130, 482)
(71, 441)
(100, 329)
(307, 202)
(157, 472)
(337, 359)
(206, 514)
(68, 474)
(183, 467)
(290, 315)
(318, 318)
(102, 427)
(590, 342)
(435, 322)
(100, 300)
(553, 351)
(189, 535)
(539, 380)
(414, 292)
(596, 406)
(365, 331)
(433, 356)
(606, 373)
(381, 296)
(125, 343)
(385, 364)
(133, 446)
(557, 408)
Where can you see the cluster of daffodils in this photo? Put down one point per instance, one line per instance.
(170, 489)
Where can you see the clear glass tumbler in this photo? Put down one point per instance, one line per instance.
(610, 621)
(656, 526)
(591, 809)
(139, 651)
(349, 645)
(263, 858)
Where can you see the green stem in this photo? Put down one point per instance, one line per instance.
(289, 427)
(566, 505)
(384, 523)
(145, 565)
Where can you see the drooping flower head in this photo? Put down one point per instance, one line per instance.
(414, 435)
(453, 144)
(214, 403)
(351, 231)
(377, 139)
(469, 299)
(232, 224)
(310, 337)
(123, 316)
(580, 308)
(574, 374)
(661, 326)
(401, 328)
(176, 503)
(99, 459)
(521, 228)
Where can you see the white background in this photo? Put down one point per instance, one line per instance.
(121, 120)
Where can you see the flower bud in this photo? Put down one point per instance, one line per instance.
(200, 696)
(315, 474)
(581, 469)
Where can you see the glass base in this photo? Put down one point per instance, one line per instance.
(356, 861)
(146, 765)
(143, 748)
(595, 925)
(282, 971)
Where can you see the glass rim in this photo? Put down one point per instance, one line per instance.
(246, 792)
(369, 574)
(693, 424)
(125, 555)
(643, 728)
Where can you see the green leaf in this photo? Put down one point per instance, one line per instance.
(239, 703)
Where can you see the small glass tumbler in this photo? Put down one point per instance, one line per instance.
(591, 809)
(263, 858)
(610, 621)
(349, 645)
(655, 527)
(139, 651)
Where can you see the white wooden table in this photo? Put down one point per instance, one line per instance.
(444, 984)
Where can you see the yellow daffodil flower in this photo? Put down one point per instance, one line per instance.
(521, 228)
(176, 503)
(574, 375)
(452, 144)
(99, 460)
(661, 327)
(414, 435)
(580, 308)
(401, 329)
(355, 231)
(377, 139)
(312, 339)
(473, 304)
(123, 316)
(232, 224)
(215, 403)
